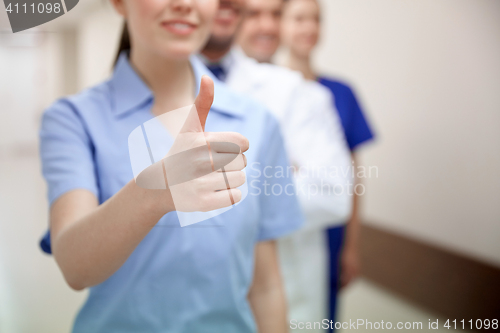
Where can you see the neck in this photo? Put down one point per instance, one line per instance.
(171, 80)
(301, 64)
(215, 51)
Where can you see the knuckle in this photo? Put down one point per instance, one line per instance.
(207, 182)
(242, 141)
(201, 184)
(240, 177)
(204, 204)
(209, 136)
(236, 195)
(239, 163)
(200, 164)
(245, 144)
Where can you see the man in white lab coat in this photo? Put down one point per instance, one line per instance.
(316, 147)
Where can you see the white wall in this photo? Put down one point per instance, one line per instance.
(98, 39)
(428, 74)
(19, 106)
(33, 294)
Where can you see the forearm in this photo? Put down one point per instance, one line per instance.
(92, 248)
(269, 309)
(267, 295)
(350, 254)
(353, 225)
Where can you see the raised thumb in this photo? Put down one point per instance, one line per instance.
(204, 100)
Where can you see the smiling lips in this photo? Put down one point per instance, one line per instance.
(265, 40)
(178, 27)
(226, 15)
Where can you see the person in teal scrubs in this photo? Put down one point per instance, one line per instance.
(145, 272)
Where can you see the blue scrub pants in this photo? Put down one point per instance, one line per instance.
(335, 242)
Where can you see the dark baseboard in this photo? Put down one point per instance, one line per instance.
(439, 280)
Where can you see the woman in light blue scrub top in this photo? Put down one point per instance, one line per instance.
(145, 272)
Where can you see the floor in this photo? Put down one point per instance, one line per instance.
(366, 301)
(35, 298)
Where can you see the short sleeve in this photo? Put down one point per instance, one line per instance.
(280, 211)
(67, 155)
(358, 130)
(66, 152)
(356, 127)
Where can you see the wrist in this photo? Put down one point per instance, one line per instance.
(159, 202)
(152, 204)
(351, 241)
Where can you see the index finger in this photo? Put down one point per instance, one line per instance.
(221, 137)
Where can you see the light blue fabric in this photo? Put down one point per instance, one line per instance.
(191, 279)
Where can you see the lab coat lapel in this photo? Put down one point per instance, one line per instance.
(244, 74)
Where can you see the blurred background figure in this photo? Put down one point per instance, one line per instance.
(313, 136)
(259, 36)
(226, 24)
(305, 270)
(300, 33)
(428, 73)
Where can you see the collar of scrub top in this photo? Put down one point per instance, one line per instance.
(236, 65)
(130, 93)
(226, 62)
(249, 66)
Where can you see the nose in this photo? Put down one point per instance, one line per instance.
(269, 24)
(183, 6)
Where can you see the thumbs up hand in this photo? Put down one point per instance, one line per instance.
(202, 170)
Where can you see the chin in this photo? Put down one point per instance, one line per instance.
(222, 33)
(265, 55)
(182, 51)
(305, 50)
